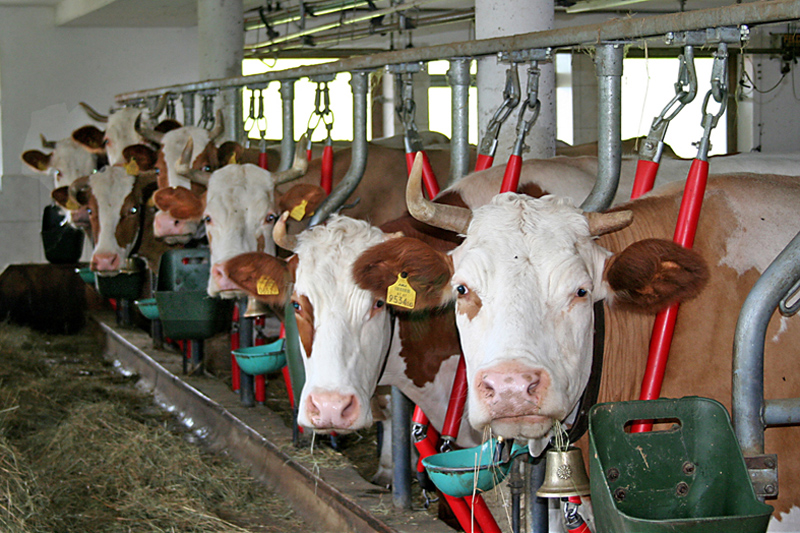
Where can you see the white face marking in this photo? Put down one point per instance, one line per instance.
(537, 273)
(238, 200)
(110, 188)
(351, 334)
(173, 144)
(70, 161)
(121, 133)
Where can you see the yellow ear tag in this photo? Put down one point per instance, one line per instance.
(232, 159)
(299, 211)
(400, 293)
(41, 165)
(267, 287)
(132, 168)
(72, 205)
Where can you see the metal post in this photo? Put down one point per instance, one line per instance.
(197, 353)
(358, 162)
(609, 153)
(124, 312)
(297, 373)
(287, 140)
(246, 386)
(458, 77)
(401, 450)
(516, 486)
(187, 100)
(748, 347)
(540, 519)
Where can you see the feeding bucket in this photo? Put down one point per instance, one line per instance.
(86, 275)
(687, 478)
(127, 285)
(148, 308)
(63, 244)
(264, 359)
(460, 473)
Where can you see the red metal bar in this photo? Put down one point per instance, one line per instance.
(645, 177)
(235, 375)
(428, 177)
(660, 342)
(326, 180)
(458, 397)
(511, 176)
(482, 514)
(262, 160)
(483, 162)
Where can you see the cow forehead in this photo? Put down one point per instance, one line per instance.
(238, 190)
(72, 160)
(111, 186)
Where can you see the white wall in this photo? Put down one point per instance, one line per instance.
(44, 72)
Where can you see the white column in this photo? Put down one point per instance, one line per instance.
(584, 99)
(497, 18)
(220, 50)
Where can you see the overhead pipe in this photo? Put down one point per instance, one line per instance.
(609, 127)
(292, 14)
(748, 412)
(358, 161)
(287, 140)
(458, 77)
(640, 28)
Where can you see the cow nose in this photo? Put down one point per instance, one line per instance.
(332, 410)
(165, 225)
(221, 278)
(105, 262)
(501, 385)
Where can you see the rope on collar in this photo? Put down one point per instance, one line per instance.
(392, 320)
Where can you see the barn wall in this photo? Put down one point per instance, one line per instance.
(44, 72)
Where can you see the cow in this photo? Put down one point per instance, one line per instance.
(67, 162)
(528, 272)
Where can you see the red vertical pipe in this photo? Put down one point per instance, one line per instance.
(262, 160)
(645, 177)
(483, 162)
(660, 342)
(482, 514)
(428, 177)
(458, 397)
(326, 179)
(511, 176)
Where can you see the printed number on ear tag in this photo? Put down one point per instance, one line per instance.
(299, 211)
(400, 293)
(267, 287)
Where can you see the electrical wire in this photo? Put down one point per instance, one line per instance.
(746, 75)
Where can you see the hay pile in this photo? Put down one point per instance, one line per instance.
(81, 450)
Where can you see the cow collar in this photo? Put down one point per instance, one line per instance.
(392, 320)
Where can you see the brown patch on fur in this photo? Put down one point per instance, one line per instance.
(246, 270)
(91, 138)
(167, 125)
(654, 273)
(131, 213)
(428, 339)
(144, 156)
(305, 322)
(532, 190)
(163, 172)
(227, 150)
(180, 203)
(209, 157)
(440, 239)
(469, 304)
(429, 270)
(312, 194)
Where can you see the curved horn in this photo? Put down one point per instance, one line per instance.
(47, 144)
(147, 132)
(219, 126)
(449, 217)
(184, 164)
(94, 115)
(602, 223)
(160, 106)
(299, 166)
(279, 235)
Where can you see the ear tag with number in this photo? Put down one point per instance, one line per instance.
(299, 211)
(400, 293)
(132, 168)
(266, 286)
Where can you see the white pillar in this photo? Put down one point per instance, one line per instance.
(390, 126)
(497, 18)
(584, 99)
(221, 50)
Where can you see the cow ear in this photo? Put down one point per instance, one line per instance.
(179, 202)
(167, 125)
(266, 278)
(651, 274)
(229, 152)
(91, 138)
(404, 260)
(139, 158)
(37, 160)
(61, 196)
(301, 200)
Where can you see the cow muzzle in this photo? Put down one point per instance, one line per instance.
(173, 230)
(106, 263)
(333, 411)
(511, 389)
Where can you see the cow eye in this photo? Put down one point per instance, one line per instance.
(158, 171)
(207, 219)
(58, 173)
(462, 290)
(89, 210)
(580, 293)
(134, 210)
(272, 217)
(378, 304)
(296, 306)
(207, 168)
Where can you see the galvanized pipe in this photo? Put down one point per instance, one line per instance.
(187, 100)
(401, 450)
(782, 412)
(540, 512)
(287, 141)
(609, 127)
(458, 77)
(358, 159)
(588, 34)
(747, 412)
(246, 336)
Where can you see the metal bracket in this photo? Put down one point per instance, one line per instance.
(322, 78)
(763, 470)
(709, 36)
(521, 56)
(403, 68)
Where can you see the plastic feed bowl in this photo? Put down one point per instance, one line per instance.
(258, 360)
(86, 275)
(459, 473)
(148, 308)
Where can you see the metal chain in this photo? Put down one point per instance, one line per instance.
(719, 91)
(322, 111)
(532, 104)
(511, 97)
(207, 111)
(170, 108)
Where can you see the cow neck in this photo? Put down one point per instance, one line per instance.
(590, 393)
(392, 320)
(140, 232)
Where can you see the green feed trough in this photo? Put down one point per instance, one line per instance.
(148, 308)
(264, 359)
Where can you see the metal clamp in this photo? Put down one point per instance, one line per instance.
(511, 97)
(790, 309)
(685, 92)
(531, 103)
(523, 56)
(709, 36)
(419, 431)
(719, 90)
(404, 106)
(207, 109)
(322, 108)
(763, 470)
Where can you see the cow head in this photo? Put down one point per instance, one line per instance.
(524, 282)
(345, 332)
(116, 204)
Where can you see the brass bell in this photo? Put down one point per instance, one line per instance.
(255, 308)
(564, 474)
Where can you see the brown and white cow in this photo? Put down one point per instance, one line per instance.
(67, 162)
(529, 270)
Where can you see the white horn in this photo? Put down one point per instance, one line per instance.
(449, 217)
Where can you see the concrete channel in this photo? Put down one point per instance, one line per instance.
(334, 499)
